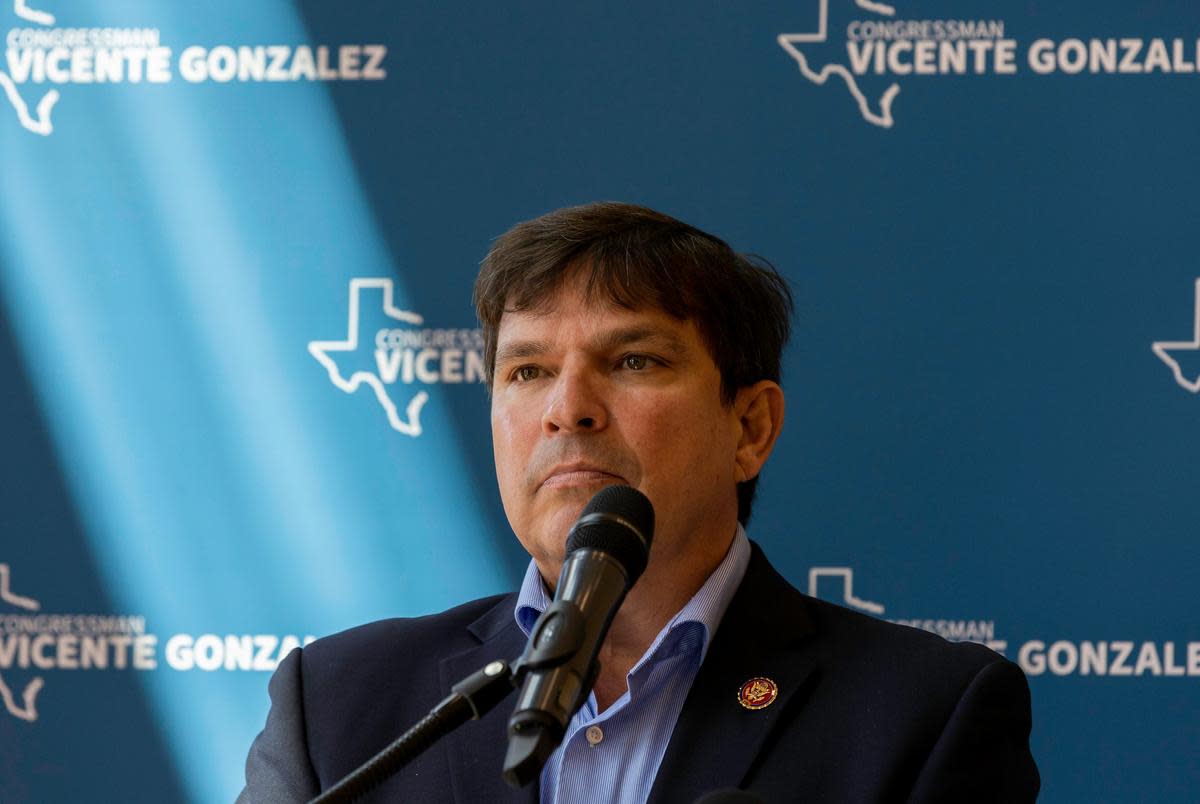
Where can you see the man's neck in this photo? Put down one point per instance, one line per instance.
(647, 609)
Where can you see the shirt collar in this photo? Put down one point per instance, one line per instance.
(706, 607)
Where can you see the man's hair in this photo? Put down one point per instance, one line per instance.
(637, 258)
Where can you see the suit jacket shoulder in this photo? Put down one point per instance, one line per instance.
(866, 710)
(343, 698)
(376, 680)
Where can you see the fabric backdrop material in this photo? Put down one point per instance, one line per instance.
(242, 401)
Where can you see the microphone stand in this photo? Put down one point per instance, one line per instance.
(469, 699)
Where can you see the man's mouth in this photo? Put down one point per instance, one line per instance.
(579, 476)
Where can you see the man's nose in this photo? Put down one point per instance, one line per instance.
(576, 405)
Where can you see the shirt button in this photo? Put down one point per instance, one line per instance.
(594, 735)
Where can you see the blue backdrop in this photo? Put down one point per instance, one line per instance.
(241, 404)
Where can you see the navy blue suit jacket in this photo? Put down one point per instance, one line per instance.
(867, 711)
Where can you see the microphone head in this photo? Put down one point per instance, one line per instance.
(619, 521)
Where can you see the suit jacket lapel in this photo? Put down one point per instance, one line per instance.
(475, 751)
(716, 738)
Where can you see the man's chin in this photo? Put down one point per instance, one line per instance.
(560, 509)
(557, 509)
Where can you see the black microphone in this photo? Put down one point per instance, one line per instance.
(607, 551)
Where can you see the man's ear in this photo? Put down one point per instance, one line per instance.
(759, 409)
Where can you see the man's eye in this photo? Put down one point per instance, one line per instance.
(634, 362)
(526, 373)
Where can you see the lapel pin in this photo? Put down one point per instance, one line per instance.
(758, 693)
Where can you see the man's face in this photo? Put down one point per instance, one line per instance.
(588, 395)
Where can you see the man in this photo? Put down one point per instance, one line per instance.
(623, 346)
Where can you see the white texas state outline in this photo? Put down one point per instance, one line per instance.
(1164, 348)
(321, 349)
(789, 42)
(847, 576)
(40, 125)
(28, 709)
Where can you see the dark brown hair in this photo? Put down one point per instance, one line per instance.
(635, 257)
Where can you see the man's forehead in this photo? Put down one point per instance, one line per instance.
(588, 284)
(601, 323)
(574, 292)
(563, 308)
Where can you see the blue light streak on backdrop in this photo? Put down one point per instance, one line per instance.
(165, 324)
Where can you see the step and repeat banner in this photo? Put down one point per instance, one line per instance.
(242, 398)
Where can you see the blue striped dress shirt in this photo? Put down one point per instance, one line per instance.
(614, 756)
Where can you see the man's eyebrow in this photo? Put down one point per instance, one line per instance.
(520, 350)
(651, 336)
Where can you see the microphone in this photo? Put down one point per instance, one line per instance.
(607, 551)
